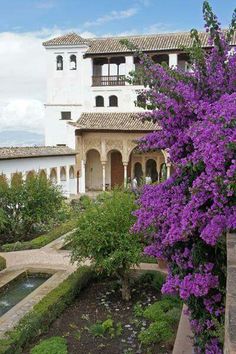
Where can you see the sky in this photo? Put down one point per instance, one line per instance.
(26, 23)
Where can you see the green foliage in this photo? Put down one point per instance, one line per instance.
(38, 320)
(54, 345)
(42, 240)
(138, 310)
(103, 235)
(97, 329)
(157, 332)
(164, 316)
(2, 263)
(160, 310)
(81, 204)
(100, 329)
(153, 278)
(25, 205)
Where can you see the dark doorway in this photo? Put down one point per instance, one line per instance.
(138, 172)
(117, 169)
(151, 170)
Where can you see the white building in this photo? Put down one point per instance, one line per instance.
(91, 111)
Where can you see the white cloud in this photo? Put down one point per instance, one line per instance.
(112, 16)
(23, 82)
(22, 114)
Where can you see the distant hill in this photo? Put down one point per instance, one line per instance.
(20, 138)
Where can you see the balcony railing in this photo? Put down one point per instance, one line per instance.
(115, 80)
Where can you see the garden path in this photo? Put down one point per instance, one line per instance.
(49, 255)
(52, 256)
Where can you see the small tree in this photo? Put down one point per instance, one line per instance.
(104, 236)
(26, 204)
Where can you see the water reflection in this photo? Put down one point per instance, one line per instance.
(18, 289)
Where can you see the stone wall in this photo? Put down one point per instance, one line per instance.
(230, 313)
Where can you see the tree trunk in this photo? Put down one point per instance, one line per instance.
(125, 288)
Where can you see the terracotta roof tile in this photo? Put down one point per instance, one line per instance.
(113, 121)
(154, 42)
(36, 151)
(67, 39)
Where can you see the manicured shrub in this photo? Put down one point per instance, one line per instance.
(104, 236)
(45, 312)
(160, 309)
(42, 240)
(2, 263)
(157, 332)
(54, 345)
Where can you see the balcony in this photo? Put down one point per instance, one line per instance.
(112, 80)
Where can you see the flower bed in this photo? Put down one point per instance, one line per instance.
(100, 321)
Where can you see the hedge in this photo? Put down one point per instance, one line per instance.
(42, 240)
(39, 319)
(2, 263)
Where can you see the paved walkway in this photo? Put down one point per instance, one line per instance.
(49, 255)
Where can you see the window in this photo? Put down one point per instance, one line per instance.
(65, 115)
(141, 101)
(73, 62)
(113, 101)
(99, 101)
(59, 62)
(63, 174)
(72, 172)
(53, 175)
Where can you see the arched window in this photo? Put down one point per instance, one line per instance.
(53, 175)
(30, 175)
(43, 174)
(59, 62)
(72, 172)
(73, 62)
(63, 174)
(141, 101)
(113, 101)
(99, 101)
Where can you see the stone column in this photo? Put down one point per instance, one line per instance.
(125, 164)
(168, 169)
(58, 175)
(48, 172)
(8, 177)
(82, 178)
(68, 180)
(129, 64)
(103, 176)
(173, 60)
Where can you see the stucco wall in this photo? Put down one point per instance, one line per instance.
(24, 165)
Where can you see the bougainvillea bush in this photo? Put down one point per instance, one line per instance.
(186, 218)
